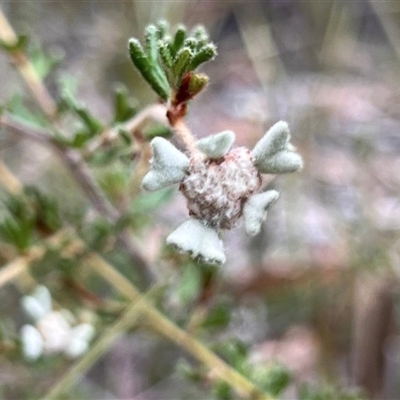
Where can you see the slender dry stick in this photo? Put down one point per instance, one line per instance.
(166, 328)
(26, 69)
(16, 267)
(186, 136)
(8, 179)
(154, 112)
(78, 168)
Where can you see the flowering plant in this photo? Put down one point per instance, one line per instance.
(221, 184)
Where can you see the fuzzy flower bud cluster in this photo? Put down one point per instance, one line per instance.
(53, 332)
(221, 185)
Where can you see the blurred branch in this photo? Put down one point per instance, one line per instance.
(27, 71)
(74, 162)
(16, 267)
(374, 323)
(388, 24)
(9, 181)
(71, 159)
(154, 112)
(161, 324)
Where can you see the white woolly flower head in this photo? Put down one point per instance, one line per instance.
(222, 186)
(53, 331)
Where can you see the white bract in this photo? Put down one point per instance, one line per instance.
(222, 187)
(53, 331)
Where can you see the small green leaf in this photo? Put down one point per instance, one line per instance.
(18, 233)
(197, 83)
(234, 351)
(165, 54)
(205, 54)
(20, 112)
(223, 391)
(44, 62)
(154, 76)
(201, 35)
(146, 202)
(182, 62)
(162, 28)
(192, 43)
(272, 378)
(46, 210)
(157, 130)
(151, 35)
(190, 283)
(126, 136)
(217, 318)
(125, 107)
(179, 38)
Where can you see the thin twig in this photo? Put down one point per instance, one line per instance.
(161, 324)
(16, 267)
(27, 71)
(9, 181)
(186, 136)
(79, 170)
(154, 112)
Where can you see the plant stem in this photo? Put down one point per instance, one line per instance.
(16, 267)
(161, 324)
(154, 112)
(8, 180)
(27, 71)
(78, 168)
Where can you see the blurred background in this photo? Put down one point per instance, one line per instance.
(318, 289)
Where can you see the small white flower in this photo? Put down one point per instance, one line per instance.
(32, 342)
(53, 331)
(221, 188)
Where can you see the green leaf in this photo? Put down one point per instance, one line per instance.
(126, 136)
(125, 107)
(182, 62)
(223, 391)
(20, 112)
(201, 35)
(149, 201)
(151, 36)
(91, 123)
(190, 283)
(165, 54)
(47, 214)
(197, 83)
(179, 39)
(273, 378)
(153, 75)
(217, 318)
(18, 233)
(234, 351)
(205, 54)
(44, 62)
(157, 130)
(162, 28)
(79, 140)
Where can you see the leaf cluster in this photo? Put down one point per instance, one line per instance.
(168, 61)
(24, 216)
